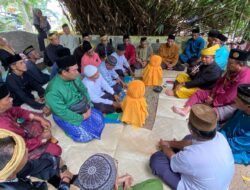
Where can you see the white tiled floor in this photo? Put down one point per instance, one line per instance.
(131, 146)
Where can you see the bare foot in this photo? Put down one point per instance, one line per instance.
(181, 111)
(169, 92)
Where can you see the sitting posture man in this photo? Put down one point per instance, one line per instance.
(104, 48)
(68, 40)
(20, 85)
(143, 53)
(225, 90)
(34, 129)
(70, 103)
(193, 46)
(204, 75)
(32, 69)
(130, 53)
(89, 57)
(170, 54)
(106, 69)
(237, 129)
(122, 66)
(101, 94)
(15, 168)
(204, 160)
(50, 53)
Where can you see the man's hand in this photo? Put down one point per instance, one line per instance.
(116, 104)
(144, 63)
(209, 100)
(178, 86)
(46, 135)
(45, 123)
(66, 176)
(87, 114)
(46, 110)
(163, 143)
(117, 97)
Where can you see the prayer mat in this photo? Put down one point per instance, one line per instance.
(152, 101)
(112, 118)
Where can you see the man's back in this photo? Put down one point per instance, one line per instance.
(205, 165)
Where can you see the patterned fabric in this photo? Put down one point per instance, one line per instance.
(97, 173)
(88, 130)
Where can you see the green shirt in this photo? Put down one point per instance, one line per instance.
(60, 94)
(150, 184)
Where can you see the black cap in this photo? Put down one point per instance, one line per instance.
(213, 33)
(143, 39)
(171, 36)
(63, 52)
(244, 93)
(111, 60)
(28, 50)
(12, 59)
(196, 30)
(239, 55)
(121, 47)
(66, 61)
(221, 37)
(3, 91)
(126, 36)
(84, 34)
(86, 46)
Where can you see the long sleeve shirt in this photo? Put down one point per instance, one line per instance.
(96, 90)
(104, 51)
(221, 57)
(69, 41)
(36, 74)
(206, 77)
(122, 62)
(20, 88)
(130, 54)
(51, 51)
(60, 94)
(109, 75)
(144, 53)
(90, 60)
(193, 49)
(169, 54)
(8, 121)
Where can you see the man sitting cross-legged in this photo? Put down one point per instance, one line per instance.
(32, 69)
(101, 94)
(202, 160)
(225, 89)
(21, 85)
(70, 103)
(106, 69)
(203, 75)
(237, 128)
(34, 129)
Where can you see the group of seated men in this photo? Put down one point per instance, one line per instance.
(78, 102)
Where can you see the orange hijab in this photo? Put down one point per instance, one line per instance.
(153, 74)
(134, 105)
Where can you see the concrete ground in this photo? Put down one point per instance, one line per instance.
(132, 147)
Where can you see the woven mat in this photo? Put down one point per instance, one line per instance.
(152, 101)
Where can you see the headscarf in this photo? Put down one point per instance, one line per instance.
(134, 105)
(98, 172)
(17, 157)
(153, 74)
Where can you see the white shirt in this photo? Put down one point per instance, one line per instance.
(205, 165)
(96, 90)
(69, 41)
(122, 62)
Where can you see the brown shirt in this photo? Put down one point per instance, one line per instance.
(169, 54)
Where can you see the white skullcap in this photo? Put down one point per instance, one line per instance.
(89, 70)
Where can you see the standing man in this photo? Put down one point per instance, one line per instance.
(193, 46)
(68, 40)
